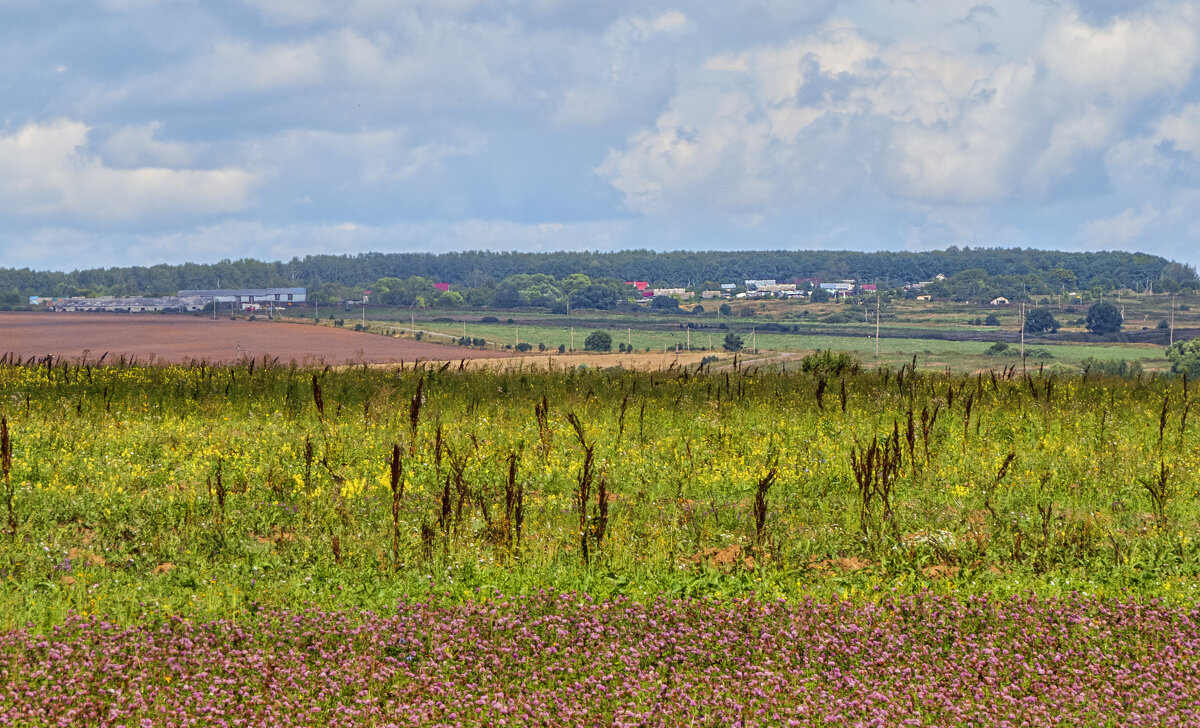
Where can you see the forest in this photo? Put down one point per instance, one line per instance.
(978, 270)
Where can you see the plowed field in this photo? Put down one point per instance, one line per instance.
(176, 338)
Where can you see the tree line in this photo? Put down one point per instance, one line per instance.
(970, 273)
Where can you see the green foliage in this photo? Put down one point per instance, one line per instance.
(820, 295)
(991, 320)
(1104, 319)
(733, 342)
(1040, 320)
(598, 341)
(725, 309)
(595, 296)
(828, 362)
(664, 303)
(1185, 357)
(1113, 368)
(185, 490)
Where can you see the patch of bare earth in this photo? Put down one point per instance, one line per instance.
(175, 338)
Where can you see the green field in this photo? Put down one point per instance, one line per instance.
(199, 490)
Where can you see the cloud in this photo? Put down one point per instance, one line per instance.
(1182, 130)
(823, 116)
(1116, 231)
(47, 171)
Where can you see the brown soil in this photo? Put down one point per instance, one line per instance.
(177, 338)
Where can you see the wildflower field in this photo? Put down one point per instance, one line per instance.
(262, 544)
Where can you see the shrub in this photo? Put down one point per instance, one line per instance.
(997, 348)
(1040, 320)
(733, 342)
(1104, 318)
(828, 362)
(489, 320)
(598, 341)
(1118, 368)
(664, 303)
(562, 348)
(524, 346)
(991, 320)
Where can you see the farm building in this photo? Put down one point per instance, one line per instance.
(245, 297)
(999, 301)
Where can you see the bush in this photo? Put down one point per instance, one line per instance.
(725, 309)
(1119, 368)
(598, 341)
(1103, 319)
(479, 342)
(1040, 320)
(562, 348)
(559, 308)
(991, 320)
(664, 303)
(747, 311)
(997, 348)
(1185, 357)
(524, 346)
(489, 320)
(828, 362)
(697, 308)
(339, 322)
(733, 342)
(1163, 324)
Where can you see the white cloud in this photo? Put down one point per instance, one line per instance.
(1117, 231)
(1182, 130)
(924, 121)
(138, 146)
(46, 170)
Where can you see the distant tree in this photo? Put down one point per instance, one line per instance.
(450, 299)
(1185, 357)
(1104, 318)
(820, 295)
(733, 342)
(664, 303)
(598, 341)
(725, 309)
(594, 296)
(506, 297)
(697, 308)
(991, 320)
(559, 308)
(1040, 320)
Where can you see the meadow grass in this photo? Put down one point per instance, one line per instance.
(205, 490)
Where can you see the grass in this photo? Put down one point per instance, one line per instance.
(216, 491)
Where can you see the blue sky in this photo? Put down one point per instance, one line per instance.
(135, 132)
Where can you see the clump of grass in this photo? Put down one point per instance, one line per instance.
(6, 471)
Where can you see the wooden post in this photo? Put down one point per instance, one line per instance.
(1022, 337)
(877, 323)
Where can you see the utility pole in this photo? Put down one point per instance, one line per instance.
(754, 340)
(572, 338)
(516, 337)
(628, 337)
(1022, 337)
(364, 318)
(1172, 340)
(316, 315)
(876, 324)
(689, 338)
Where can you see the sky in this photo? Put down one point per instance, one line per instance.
(136, 132)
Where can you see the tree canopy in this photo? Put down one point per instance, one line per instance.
(971, 273)
(1104, 318)
(1040, 321)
